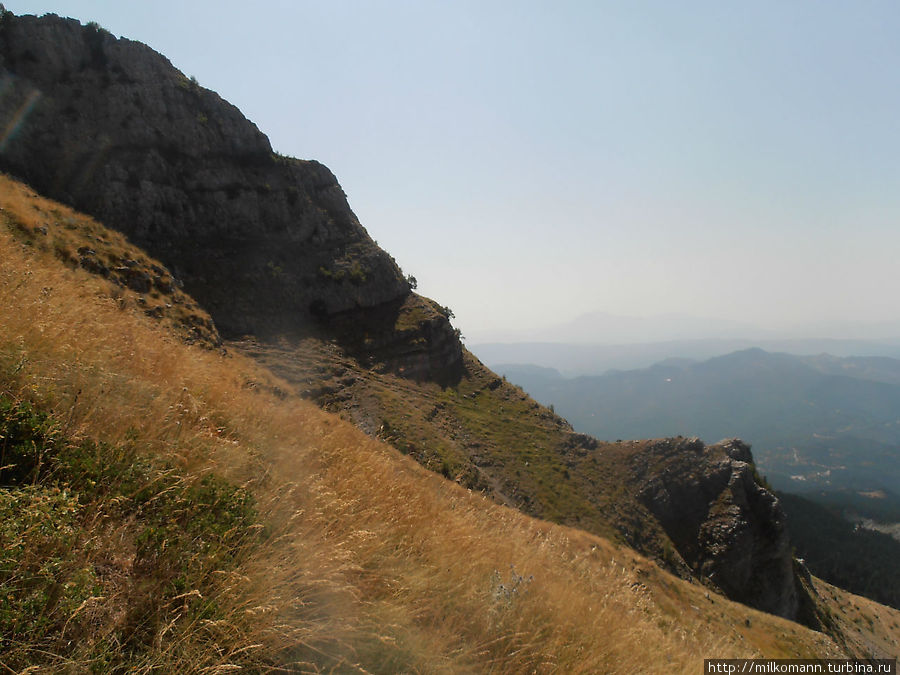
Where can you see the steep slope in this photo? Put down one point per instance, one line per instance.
(815, 422)
(267, 244)
(79, 241)
(698, 510)
(864, 561)
(726, 525)
(359, 560)
(269, 247)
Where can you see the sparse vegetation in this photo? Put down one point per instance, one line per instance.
(275, 271)
(357, 274)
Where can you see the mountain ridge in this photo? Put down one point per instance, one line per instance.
(605, 329)
(267, 244)
(596, 359)
(776, 401)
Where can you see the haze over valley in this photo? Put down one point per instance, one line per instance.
(597, 342)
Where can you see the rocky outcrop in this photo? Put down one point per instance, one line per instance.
(411, 339)
(267, 244)
(726, 525)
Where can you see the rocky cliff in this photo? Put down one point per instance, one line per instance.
(267, 244)
(725, 524)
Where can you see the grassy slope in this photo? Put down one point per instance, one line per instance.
(366, 560)
(484, 433)
(136, 280)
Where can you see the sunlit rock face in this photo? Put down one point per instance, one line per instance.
(267, 244)
(726, 526)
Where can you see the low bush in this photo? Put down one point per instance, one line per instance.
(101, 550)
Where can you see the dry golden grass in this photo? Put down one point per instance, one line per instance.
(371, 563)
(75, 239)
(863, 626)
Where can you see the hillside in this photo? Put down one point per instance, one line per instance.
(489, 435)
(269, 246)
(320, 548)
(822, 426)
(861, 560)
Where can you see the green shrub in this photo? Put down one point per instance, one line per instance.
(180, 532)
(42, 581)
(27, 438)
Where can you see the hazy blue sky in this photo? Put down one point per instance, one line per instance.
(532, 161)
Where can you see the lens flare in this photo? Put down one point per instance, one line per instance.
(19, 117)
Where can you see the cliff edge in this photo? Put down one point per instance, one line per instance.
(267, 244)
(724, 522)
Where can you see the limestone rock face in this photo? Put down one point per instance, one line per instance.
(727, 527)
(267, 244)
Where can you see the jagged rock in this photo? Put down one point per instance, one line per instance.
(736, 449)
(727, 527)
(267, 244)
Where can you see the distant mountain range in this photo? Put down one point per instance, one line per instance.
(573, 359)
(606, 328)
(814, 421)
